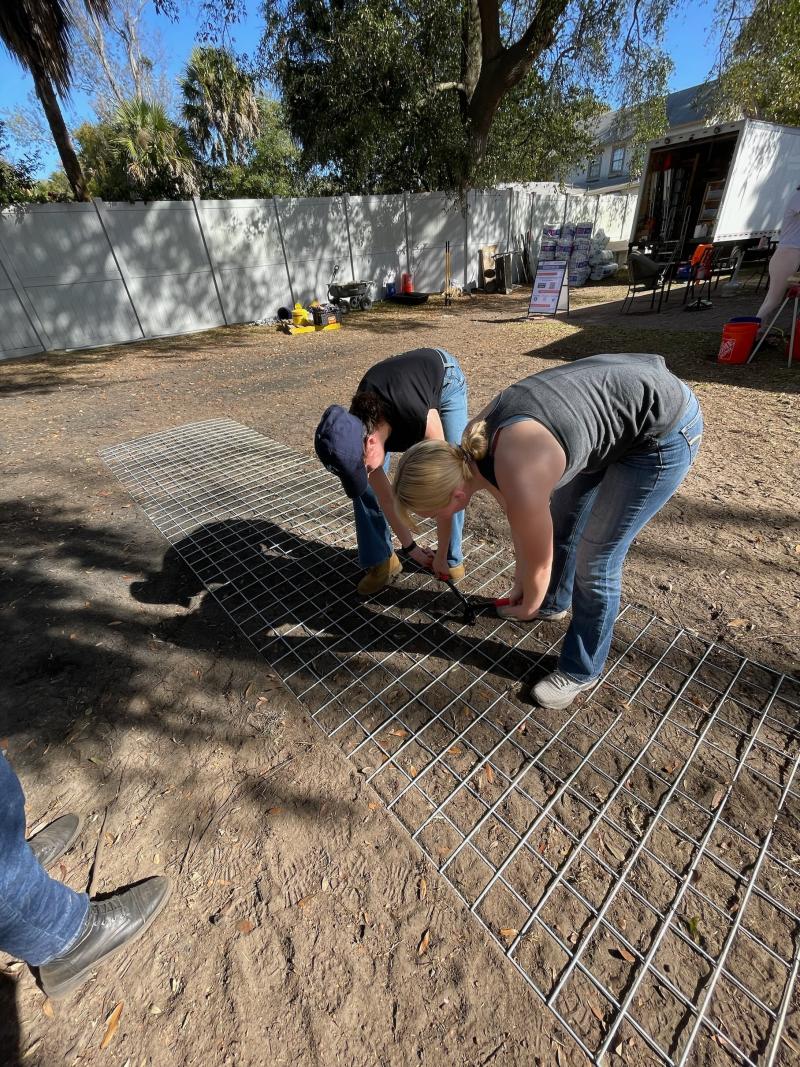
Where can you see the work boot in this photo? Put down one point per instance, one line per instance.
(379, 576)
(557, 691)
(457, 572)
(55, 839)
(110, 925)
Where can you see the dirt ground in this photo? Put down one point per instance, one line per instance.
(299, 907)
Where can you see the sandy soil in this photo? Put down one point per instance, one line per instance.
(299, 907)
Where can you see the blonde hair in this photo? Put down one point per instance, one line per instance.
(429, 472)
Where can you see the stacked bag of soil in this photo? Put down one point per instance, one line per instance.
(601, 259)
(570, 243)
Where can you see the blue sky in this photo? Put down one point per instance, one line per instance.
(687, 43)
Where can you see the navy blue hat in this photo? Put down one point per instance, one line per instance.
(339, 442)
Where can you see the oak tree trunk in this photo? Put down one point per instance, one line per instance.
(491, 70)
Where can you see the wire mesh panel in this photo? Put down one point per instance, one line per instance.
(635, 856)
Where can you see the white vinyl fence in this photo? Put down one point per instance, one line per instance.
(84, 275)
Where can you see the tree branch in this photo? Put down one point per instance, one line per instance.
(491, 44)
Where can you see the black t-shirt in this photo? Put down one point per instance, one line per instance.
(410, 385)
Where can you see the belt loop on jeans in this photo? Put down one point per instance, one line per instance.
(444, 356)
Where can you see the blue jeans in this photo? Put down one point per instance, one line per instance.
(595, 518)
(39, 917)
(372, 529)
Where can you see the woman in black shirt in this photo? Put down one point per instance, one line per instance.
(415, 396)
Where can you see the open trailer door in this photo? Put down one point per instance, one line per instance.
(764, 172)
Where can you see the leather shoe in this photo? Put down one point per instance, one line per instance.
(379, 576)
(55, 839)
(110, 925)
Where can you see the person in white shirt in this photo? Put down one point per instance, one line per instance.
(785, 260)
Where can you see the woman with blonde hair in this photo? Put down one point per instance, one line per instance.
(580, 457)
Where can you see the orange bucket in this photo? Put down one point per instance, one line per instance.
(738, 339)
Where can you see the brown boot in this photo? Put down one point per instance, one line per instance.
(379, 576)
(457, 572)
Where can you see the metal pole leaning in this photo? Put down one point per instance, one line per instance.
(793, 292)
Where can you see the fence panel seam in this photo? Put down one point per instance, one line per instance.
(210, 260)
(283, 249)
(122, 274)
(346, 203)
(25, 301)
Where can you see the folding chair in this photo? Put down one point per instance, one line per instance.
(645, 276)
(701, 273)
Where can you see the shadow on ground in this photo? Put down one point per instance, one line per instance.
(691, 356)
(9, 1022)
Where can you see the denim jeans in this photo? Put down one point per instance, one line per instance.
(372, 529)
(595, 519)
(39, 917)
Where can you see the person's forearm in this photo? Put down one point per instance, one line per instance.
(533, 547)
(444, 528)
(383, 491)
(535, 583)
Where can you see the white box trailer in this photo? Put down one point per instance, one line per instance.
(723, 185)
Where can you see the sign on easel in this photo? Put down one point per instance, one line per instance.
(550, 292)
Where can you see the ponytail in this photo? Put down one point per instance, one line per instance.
(475, 440)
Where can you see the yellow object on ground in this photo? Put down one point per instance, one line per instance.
(290, 328)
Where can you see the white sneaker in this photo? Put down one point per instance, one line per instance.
(557, 691)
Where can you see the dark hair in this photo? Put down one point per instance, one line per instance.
(369, 408)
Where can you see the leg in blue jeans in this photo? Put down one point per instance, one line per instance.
(598, 524)
(570, 508)
(372, 530)
(39, 917)
(454, 416)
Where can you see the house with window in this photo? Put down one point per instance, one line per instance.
(609, 171)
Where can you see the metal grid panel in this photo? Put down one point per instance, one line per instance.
(635, 856)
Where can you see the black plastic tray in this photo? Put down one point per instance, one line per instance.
(409, 298)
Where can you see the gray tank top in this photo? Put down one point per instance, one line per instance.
(599, 409)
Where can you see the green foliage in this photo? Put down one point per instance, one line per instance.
(539, 134)
(385, 95)
(154, 152)
(38, 35)
(357, 82)
(101, 162)
(273, 166)
(220, 107)
(140, 154)
(17, 184)
(56, 188)
(759, 68)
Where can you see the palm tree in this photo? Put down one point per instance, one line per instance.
(37, 34)
(154, 151)
(220, 106)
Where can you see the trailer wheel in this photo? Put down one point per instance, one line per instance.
(366, 303)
